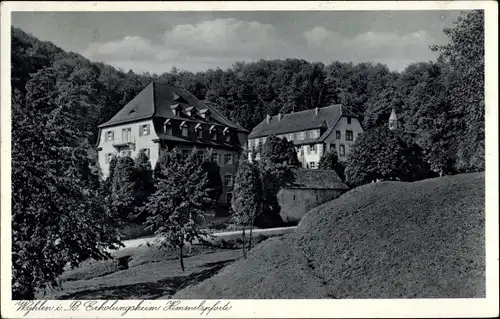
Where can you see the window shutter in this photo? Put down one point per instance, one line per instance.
(141, 128)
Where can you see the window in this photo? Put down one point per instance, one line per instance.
(126, 135)
(293, 196)
(348, 120)
(184, 131)
(200, 132)
(146, 151)
(168, 127)
(290, 137)
(301, 136)
(338, 135)
(313, 148)
(313, 134)
(312, 164)
(110, 135)
(228, 159)
(228, 180)
(229, 196)
(108, 157)
(144, 130)
(333, 147)
(342, 150)
(348, 135)
(228, 138)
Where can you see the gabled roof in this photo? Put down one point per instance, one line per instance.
(156, 99)
(301, 121)
(317, 179)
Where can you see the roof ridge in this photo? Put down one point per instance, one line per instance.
(319, 108)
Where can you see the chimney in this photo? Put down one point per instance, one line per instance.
(279, 116)
(316, 111)
(268, 118)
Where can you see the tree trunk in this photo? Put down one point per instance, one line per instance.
(250, 239)
(244, 244)
(180, 257)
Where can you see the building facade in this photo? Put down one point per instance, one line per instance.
(163, 116)
(313, 132)
(310, 189)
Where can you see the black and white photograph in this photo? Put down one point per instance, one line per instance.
(154, 157)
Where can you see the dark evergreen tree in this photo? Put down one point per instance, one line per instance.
(246, 201)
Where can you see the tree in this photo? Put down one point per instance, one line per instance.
(179, 204)
(144, 183)
(278, 151)
(57, 213)
(330, 161)
(123, 189)
(212, 169)
(464, 55)
(381, 154)
(275, 169)
(246, 201)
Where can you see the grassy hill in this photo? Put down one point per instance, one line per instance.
(384, 240)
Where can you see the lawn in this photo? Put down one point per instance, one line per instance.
(383, 240)
(150, 272)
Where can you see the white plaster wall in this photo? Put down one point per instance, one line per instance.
(145, 141)
(342, 126)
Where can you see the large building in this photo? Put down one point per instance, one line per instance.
(312, 131)
(161, 117)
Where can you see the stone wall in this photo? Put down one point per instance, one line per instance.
(296, 202)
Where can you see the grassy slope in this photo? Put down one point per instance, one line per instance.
(383, 240)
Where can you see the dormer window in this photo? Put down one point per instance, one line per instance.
(226, 132)
(199, 130)
(213, 132)
(205, 114)
(175, 109)
(184, 128)
(190, 111)
(168, 127)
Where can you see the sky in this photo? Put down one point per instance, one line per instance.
(155, 42)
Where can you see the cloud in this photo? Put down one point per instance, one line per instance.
(221, 42)
(130, 47)
(224, 36)
(395, 50)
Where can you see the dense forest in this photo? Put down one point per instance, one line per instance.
(441, 102)
(59, 98)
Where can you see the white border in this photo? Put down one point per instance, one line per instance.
(486, 307)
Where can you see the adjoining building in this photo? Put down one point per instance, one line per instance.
(310, 189)
(163, 116)
(312, 131)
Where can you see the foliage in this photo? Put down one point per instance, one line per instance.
(464, 56)
(179, 204)
(144, 183)
(382, 154)
(274, 175)
(57, 212)
(212, 169)
(279, 151)
(330, 161)
(246, 201)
